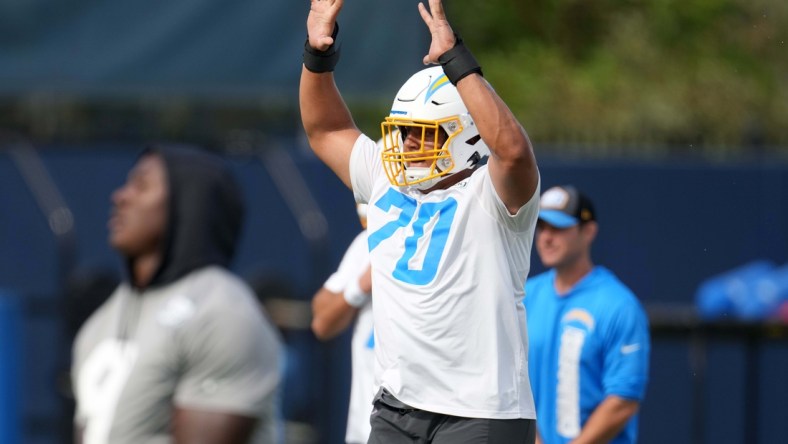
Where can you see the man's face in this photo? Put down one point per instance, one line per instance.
(412, 144)
(561, 247)
(138, 220)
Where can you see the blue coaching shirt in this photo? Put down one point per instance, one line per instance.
(583, 346)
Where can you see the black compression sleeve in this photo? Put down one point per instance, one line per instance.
(458, 62)
(322, 61)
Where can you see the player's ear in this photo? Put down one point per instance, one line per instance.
(589, 230)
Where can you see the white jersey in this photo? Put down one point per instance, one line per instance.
(448, 269)
(362, 387)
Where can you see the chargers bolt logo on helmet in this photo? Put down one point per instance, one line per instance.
(429, 133)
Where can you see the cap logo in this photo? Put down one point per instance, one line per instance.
(555, 198)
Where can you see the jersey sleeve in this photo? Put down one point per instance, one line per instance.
(523, 220)
(627, 353)
(229, 359)
(353, 263)
(365, 167)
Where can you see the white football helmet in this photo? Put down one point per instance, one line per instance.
(431, 106)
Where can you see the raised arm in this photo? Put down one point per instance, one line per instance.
(326, 119)
(512, 164)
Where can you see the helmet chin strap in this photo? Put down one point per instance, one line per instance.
(444, 182)
(416, 173)
(421, 172)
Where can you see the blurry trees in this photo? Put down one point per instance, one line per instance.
(708, 76)
(592, 77)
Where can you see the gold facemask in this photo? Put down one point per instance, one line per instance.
(398, 163)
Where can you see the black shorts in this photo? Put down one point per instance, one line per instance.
(394, 422)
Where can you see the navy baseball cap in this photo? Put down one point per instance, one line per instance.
(564, 206)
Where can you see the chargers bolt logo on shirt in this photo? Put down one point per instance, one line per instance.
(581, 316)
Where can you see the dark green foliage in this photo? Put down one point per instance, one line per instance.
(709, 75)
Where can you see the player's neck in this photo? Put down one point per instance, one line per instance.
(566, 277)
(143, 268)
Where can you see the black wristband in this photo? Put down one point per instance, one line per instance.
(322, 61)
(458, 62)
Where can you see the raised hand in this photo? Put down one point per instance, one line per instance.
(442, 35)
(320, 22)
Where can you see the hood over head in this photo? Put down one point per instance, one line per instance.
(206, 212)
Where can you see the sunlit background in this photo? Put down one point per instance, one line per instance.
(672, 115)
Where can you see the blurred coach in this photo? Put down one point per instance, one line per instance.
(589, 338)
